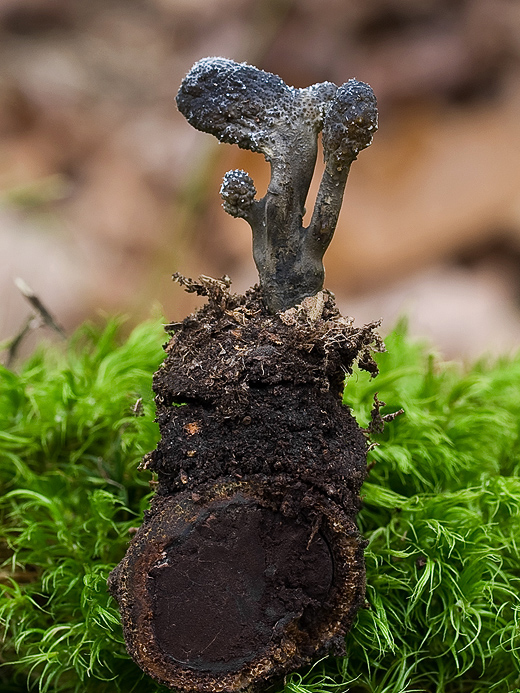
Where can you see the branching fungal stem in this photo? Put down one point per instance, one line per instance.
(256, 110)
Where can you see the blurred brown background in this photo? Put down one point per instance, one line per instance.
(105, 190)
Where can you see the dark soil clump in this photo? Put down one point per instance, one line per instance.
(249, 562)
(262, 395)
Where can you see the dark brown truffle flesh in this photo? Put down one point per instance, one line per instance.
(241, 573)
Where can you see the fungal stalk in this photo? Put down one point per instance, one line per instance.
(240, 104)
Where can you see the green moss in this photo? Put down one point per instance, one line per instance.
(70, 444)
(441, 513)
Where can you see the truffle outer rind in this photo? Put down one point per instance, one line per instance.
(292, 647)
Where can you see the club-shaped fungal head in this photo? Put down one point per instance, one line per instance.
(349, 124)
(236, 102)
(240, 104)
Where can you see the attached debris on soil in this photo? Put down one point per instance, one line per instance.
(378, 420)
(249, 563)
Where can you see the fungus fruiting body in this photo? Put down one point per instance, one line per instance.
(239, 104)
(249, 562)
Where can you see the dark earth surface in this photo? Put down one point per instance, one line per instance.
(261, 394)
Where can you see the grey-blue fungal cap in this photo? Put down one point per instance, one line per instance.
(350, 123)
(239, 104)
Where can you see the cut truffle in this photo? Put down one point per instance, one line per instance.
(249, 563)
(227, 592)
